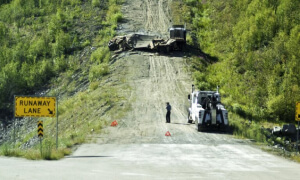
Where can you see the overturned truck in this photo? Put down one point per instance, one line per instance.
(176, 41)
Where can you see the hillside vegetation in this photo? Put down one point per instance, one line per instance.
(254, 50)
(57, 48)
(41, 39)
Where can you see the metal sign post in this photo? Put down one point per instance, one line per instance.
(56, 125)
(14, 119)
(40, 135)
(297, 118)
(298, 137)
(14, 131)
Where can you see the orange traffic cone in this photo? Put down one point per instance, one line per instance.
(168, 133)
(114, 123)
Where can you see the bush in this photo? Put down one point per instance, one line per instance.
(47, 149)
(101, 55)
(86, 43)
(247, 129)
(62, 44)
(94, 85)
(98, 71)
(9, 150)
(117, 18)
(96, 3)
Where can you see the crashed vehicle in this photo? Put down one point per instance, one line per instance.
(176, 42)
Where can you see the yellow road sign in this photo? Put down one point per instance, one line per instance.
(297, 111)
(40, 129)
(35, 106)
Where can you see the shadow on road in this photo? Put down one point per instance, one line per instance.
(87, 156)
(182, 123)
(215, 131)
(188, 51)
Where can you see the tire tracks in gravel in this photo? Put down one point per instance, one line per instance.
(155, 79)
(157, 17)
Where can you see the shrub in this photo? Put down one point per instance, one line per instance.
(94, 85)
(117, 18)
(98, 71)
(101, 55)
(9, 150)
(86, 43)
(96, 3)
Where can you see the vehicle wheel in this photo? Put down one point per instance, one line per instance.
(189, 120)
(167, 49)
(183, 48)
(200, 129)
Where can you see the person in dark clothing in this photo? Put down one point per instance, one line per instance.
(168, 116)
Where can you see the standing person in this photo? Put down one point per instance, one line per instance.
(168, 119)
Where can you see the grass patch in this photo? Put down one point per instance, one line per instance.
(48, 153)
(98, 71)
(94, 85)
(280, 152)
(242, 128)
(80, 113)
(246, 129)
(10, 151)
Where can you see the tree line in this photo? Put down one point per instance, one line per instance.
(256, 44)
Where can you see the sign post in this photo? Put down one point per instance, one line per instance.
(14, 138)
(56, 126)
(297, 118)
(37, 106)
(40, 135)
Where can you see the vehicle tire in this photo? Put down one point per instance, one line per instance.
(167, 49)
(183, 48)
(200, 129)
(189, 120)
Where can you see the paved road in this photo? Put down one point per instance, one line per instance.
(156, 161)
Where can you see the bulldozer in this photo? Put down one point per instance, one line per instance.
(175, 42)
(207, 111)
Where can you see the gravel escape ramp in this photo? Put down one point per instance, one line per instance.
(154, 80)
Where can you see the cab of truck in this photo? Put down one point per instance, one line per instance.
(178, 32)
